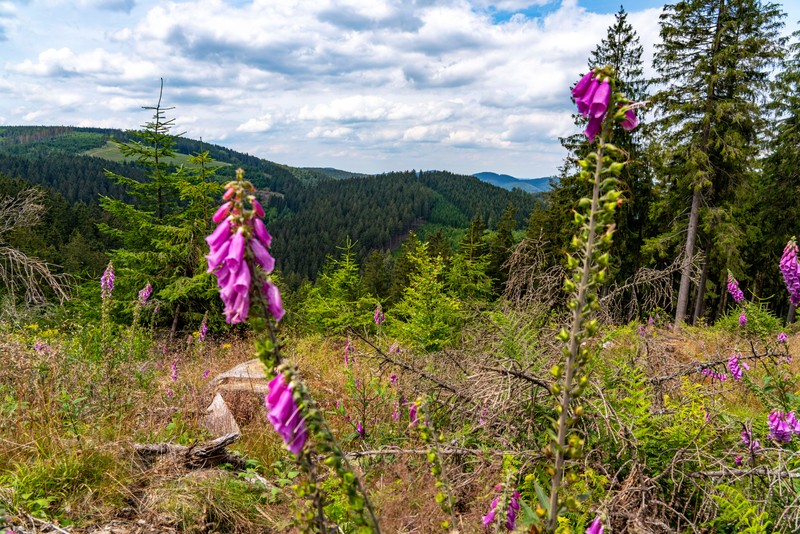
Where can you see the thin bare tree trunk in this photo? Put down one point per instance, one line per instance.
(686, 269)
(700, 298)
(790, 315)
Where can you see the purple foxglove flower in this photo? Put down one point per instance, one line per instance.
(262, 257)
(733, 289)
(742, 319)
(274, 303)
(584, 103)
(734, 368)
(206, 373)
(174, 375)
(284, 414)
(169, 393)
(791, 272)
(650, 321)
(241, 284)
(600, 101)
(593, 128)
(511, 511)
(780, 427)
(107, 281)
(257, 208)
(596, 527)
(412, 413)
(782, 337)
(222, 212)
(261, 233)
(237, 311)
(216, 257)
(219, 235)
(236, 251)
(145, 293)
(630, 121)
(203, 329)
(738, 461)
(360, 429)
(395, 348)
(393, 378)
(583, 85)
(379, 317)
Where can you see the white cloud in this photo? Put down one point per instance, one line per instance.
(256, 125)
(370, 85)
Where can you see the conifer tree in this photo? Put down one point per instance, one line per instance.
(160, 234)
(620, 50)
(714, 62)
(339, 299)
(775, 192)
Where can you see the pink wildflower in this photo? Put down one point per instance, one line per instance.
(284, 414)
(791, 271)
(596, 527)
(733, 289)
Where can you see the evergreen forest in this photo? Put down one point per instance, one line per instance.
(195, 339)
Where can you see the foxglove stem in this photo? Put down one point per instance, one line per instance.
(578, 320)
(314, 421)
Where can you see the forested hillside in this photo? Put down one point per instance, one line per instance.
(309, 208)
(193, 339)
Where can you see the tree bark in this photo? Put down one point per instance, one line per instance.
(686, 269)
(700, 298)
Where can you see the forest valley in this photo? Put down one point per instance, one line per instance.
(194, 339)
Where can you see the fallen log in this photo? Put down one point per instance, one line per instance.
(210, 454)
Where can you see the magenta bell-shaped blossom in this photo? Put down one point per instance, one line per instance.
(630, 121)
(145, 293)
(220, 235)
(600, 100)
(511, 511)
(593, 128)
(235, 251)
(596, 527)
(742, 319)
(239, 238)
(733, 289)
(782, 425)
(262, 257)
(222, 212)
(583, 85)
(791, 272)
(284, 414)
(261, 233)
(274, 302)
(734, 367)
(584, 103)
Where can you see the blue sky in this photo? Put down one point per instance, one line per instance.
(362, 85)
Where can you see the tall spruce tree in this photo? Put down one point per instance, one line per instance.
(159, 233)
(714, 61)
(621, 50)
(775, 191)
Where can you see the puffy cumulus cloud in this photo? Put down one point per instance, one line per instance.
(366, 83)
(256, 125)
(62, 62)
(356, 108)
(330, 133)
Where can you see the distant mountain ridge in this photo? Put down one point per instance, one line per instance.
(311, 212)
(530, 185)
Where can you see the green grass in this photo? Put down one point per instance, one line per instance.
(110, 152)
